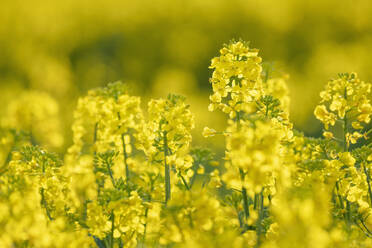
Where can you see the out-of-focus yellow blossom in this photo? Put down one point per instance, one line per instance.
(277, 87)
(36, 113)
(209, 132)
(305, 219)
(194, 217)
(328, 135)
(253, 155)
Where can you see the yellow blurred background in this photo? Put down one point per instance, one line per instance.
(64, 48)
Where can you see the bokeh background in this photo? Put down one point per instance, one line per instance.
(61, 49)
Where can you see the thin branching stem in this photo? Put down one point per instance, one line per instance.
(166, 169)
(125, 159)
(244, 195)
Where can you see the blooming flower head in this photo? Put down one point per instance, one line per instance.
(236, 79)
(170, 123)
(347, 99)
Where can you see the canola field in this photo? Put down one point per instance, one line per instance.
(158, 124)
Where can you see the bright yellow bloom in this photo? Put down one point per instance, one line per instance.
(236, 79)
(209, 132)
(328, 135)
(324, 116)
(346, 99)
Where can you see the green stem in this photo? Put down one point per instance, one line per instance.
(260, 218)
(125, 155)
(192, 180)
(348, 212)
(147, 213)
(339, 196)
(125, 158)
(255, 201)
(43, 201)
(346, 146)
(145, 227)
(346, 215)
(112, 229)
(7, 159)
(267, 111)
(111, 175)
(365, 226)
(368, 182)
(244, 195)
(85, 211)
(190, 220)
(95, 136)
(184, 182)
(166, 170)
(345, 126)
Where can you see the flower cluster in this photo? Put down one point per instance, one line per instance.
(346, 99)
(168, 138)
(236, 79)
(132, 178)
(252, 154)
(37, 114)
(34, 203)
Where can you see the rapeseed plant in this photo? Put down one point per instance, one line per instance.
(132, 178)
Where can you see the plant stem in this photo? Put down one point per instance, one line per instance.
(7, 159)
(368, 182)
(339, 196)
(245, 196)
(111, 175)
(166, 170)
(95, 136)
(346, 147)
(125, 158)
(112, 229)
(43, 201)
(125, 155)
(145, 227)
(255, 201)
(345, 126)
(184, 182)
(348, 212)
(260, 218)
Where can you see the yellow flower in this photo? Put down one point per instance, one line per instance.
(236, 79)
(347, 158)
(38, 114)
(208, 132)
(365, 111)
(356, 125)
(347, 99)
(369, 157)
(328, 135)
(253, 151)
(353, 138)
(324, 116)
